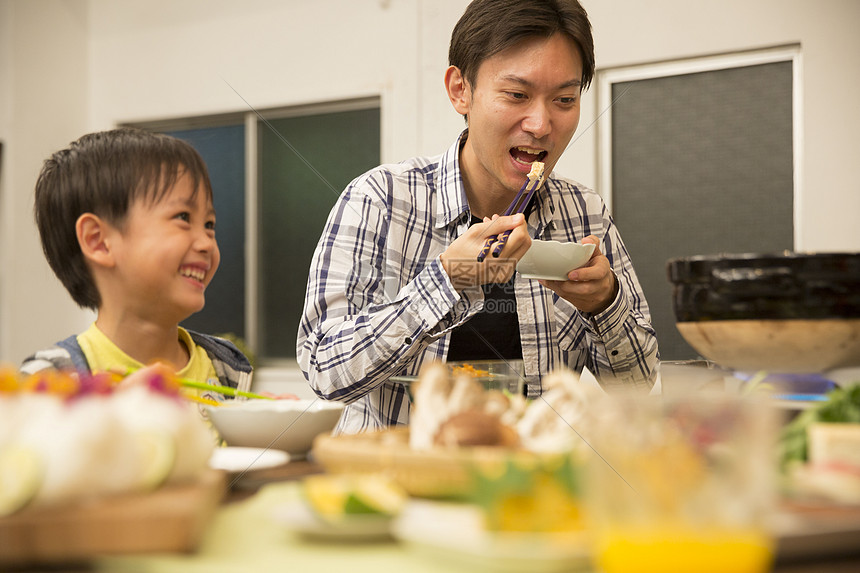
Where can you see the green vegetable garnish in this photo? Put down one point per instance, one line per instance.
(842, 406)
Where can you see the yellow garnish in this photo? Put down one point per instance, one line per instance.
(469, 370)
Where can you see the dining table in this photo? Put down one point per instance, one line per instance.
(245, 534)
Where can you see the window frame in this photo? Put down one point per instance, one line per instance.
(271, 370)
(605, 78)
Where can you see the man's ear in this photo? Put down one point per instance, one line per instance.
(94, 239)
(458, 90)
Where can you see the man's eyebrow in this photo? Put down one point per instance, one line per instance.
(574, 83)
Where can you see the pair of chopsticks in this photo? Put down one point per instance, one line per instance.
(227, 390)
(518, 205)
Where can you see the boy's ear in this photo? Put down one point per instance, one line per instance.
(458, 90)
(94, 238)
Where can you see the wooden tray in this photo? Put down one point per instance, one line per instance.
(170, 519)
(436, 473)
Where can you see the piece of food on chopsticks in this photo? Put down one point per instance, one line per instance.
(535, 179)
(536, 171)
(521, 200)
(68, 437)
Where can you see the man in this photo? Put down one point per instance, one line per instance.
(395, 280)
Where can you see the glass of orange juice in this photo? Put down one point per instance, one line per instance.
(681, 484)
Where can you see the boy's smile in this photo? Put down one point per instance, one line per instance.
(195, 273)
(166, 253)
(524, 107)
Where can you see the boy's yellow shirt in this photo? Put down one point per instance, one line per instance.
(103, 355)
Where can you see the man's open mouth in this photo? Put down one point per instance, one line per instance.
(527, 155)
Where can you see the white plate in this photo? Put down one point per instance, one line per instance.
(239, 460)
(552, 260)
(455, 532)
(298, 517)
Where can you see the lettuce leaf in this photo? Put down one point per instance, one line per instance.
(842, 406)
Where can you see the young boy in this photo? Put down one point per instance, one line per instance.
(127, 224)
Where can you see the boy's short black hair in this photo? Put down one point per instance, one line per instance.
(488, 27)
(104, 173)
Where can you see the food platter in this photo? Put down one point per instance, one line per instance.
(420, 473)
(295, 516)
(435, 473)
(455, 532)
(169, 519)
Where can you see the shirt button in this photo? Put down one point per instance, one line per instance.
(407, 340)
(614, 353)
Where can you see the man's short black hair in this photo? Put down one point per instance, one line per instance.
(488, 27)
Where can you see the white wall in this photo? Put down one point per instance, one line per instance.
(629, 32)
(163, 58)
(72, 66)
(44, 92)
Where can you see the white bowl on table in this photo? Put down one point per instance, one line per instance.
(288, 425)
(552, 260)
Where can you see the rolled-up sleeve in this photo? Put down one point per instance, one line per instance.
(363, 320)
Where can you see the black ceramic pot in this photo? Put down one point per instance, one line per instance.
(784, 312)
(759, 286)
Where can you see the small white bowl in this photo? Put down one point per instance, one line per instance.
(552, 260)
(288, 425)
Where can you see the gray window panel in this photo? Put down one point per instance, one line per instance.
(223, 150)
(299, 184)
(701, 164)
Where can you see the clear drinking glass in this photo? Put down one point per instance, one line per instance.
(508, 375)
(681, 484)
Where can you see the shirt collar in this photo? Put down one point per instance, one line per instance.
(453, 206)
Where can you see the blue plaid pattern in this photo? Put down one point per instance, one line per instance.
(379, 304)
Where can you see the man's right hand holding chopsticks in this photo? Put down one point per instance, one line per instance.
(460, 258)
